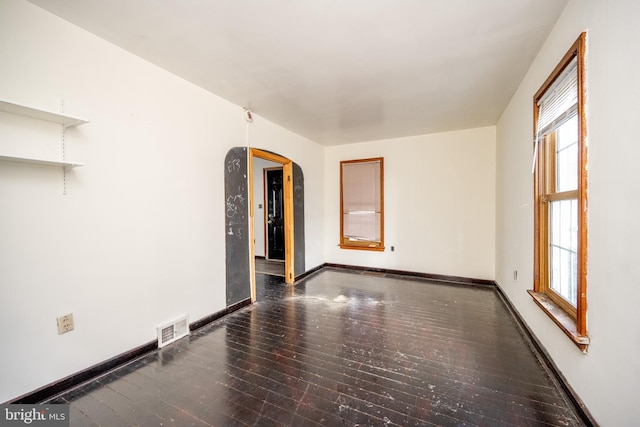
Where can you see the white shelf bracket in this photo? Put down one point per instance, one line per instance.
(62, 154)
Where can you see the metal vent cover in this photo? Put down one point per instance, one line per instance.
(172, 330)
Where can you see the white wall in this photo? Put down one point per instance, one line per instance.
(608, 376)
(139, 236)
(439, 201)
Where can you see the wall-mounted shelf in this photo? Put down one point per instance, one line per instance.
(40, 114)
(39, 161)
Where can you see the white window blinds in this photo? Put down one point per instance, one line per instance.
(361, 187)
(560, 101)
(557, 105)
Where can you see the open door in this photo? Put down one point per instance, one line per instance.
(288, 219)
(274, 215)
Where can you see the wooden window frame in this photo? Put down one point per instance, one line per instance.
(346, 243)
(572, 320)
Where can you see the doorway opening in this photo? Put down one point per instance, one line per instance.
(239, 223)
(278, 210)
(268, 221)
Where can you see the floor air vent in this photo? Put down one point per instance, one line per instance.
(173, 330)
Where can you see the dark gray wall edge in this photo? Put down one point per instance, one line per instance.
(236, 194)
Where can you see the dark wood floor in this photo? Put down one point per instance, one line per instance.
(271, 267)
(339, 349)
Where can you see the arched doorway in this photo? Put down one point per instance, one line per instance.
(239, 212)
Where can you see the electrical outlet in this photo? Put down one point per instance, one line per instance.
(515, 274)
(65, 323)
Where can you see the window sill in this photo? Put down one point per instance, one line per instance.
(566, 323)
(363, 248)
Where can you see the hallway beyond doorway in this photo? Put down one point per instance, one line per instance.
(271, 267)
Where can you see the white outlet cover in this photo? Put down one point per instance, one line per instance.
(65, 323)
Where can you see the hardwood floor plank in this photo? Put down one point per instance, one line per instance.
(340, 348)
(356, 358)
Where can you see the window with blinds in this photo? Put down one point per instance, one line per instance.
(560, 101)
(560, 195)
(361, 204)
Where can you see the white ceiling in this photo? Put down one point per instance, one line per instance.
(336, 71)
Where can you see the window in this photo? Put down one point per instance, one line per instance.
(560, 190)
(362, 204)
